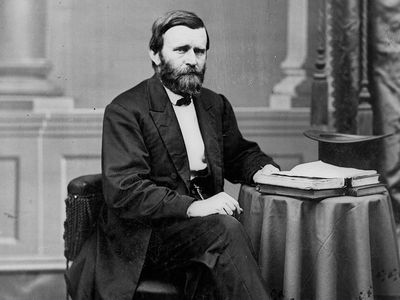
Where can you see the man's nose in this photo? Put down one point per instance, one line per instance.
(190, 58)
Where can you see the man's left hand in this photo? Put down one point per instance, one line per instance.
(266, 170)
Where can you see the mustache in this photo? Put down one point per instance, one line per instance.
(187, 71)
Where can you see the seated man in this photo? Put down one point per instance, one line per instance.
(168, 144)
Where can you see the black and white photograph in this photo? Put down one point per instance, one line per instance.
(199, 150)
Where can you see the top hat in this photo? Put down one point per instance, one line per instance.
(348, 150)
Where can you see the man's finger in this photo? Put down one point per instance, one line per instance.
(221, 211)
(234, 202)
(228, 210)
(237, 206)
(231, 205)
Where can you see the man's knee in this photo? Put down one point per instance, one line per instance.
(226, 225)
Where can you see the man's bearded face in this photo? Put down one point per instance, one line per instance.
(183, 80)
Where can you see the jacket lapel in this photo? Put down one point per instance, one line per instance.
(167, 124)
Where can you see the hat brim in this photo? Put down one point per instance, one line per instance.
(341, 138)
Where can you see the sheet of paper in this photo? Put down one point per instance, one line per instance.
(324, 170)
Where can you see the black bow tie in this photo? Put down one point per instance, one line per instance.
(184, 101)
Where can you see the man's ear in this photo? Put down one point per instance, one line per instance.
(155, 57)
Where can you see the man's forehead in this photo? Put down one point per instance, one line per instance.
(182, 35)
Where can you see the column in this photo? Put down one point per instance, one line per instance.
(23, 64)
(288, 90)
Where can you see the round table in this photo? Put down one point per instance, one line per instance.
(335, 248)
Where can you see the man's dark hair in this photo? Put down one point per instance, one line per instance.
(169, 20)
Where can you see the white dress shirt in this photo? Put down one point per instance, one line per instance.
(190, 129)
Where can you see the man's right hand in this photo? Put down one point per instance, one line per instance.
(220, 203)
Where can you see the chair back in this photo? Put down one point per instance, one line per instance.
(83, 204)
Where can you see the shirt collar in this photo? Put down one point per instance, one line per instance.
(172, 96)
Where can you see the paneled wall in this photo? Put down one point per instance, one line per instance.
(41, 153)
(97, 49)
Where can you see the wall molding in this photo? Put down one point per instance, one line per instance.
(32, 263)
(54, 147)
(85, 122)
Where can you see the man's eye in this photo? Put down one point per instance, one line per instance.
(181, 50)
(199, 51)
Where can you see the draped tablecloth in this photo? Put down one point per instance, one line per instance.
(337, 248)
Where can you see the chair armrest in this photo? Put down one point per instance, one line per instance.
(85, 185)
(83, 205)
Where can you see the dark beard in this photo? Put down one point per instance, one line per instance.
(185, 82)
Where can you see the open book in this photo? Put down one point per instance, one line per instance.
(318, 175)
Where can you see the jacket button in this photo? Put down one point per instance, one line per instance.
(173, 176)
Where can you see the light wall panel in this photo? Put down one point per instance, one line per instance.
(9, 203)
(19, 205)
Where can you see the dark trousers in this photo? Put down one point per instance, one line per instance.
(211, 255)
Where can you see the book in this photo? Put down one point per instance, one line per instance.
(363, 180)
(318, 175)
(300, 182)
(300, 193)
(370, 189)
(365, 190)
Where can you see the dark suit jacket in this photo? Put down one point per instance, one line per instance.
(146, 179)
